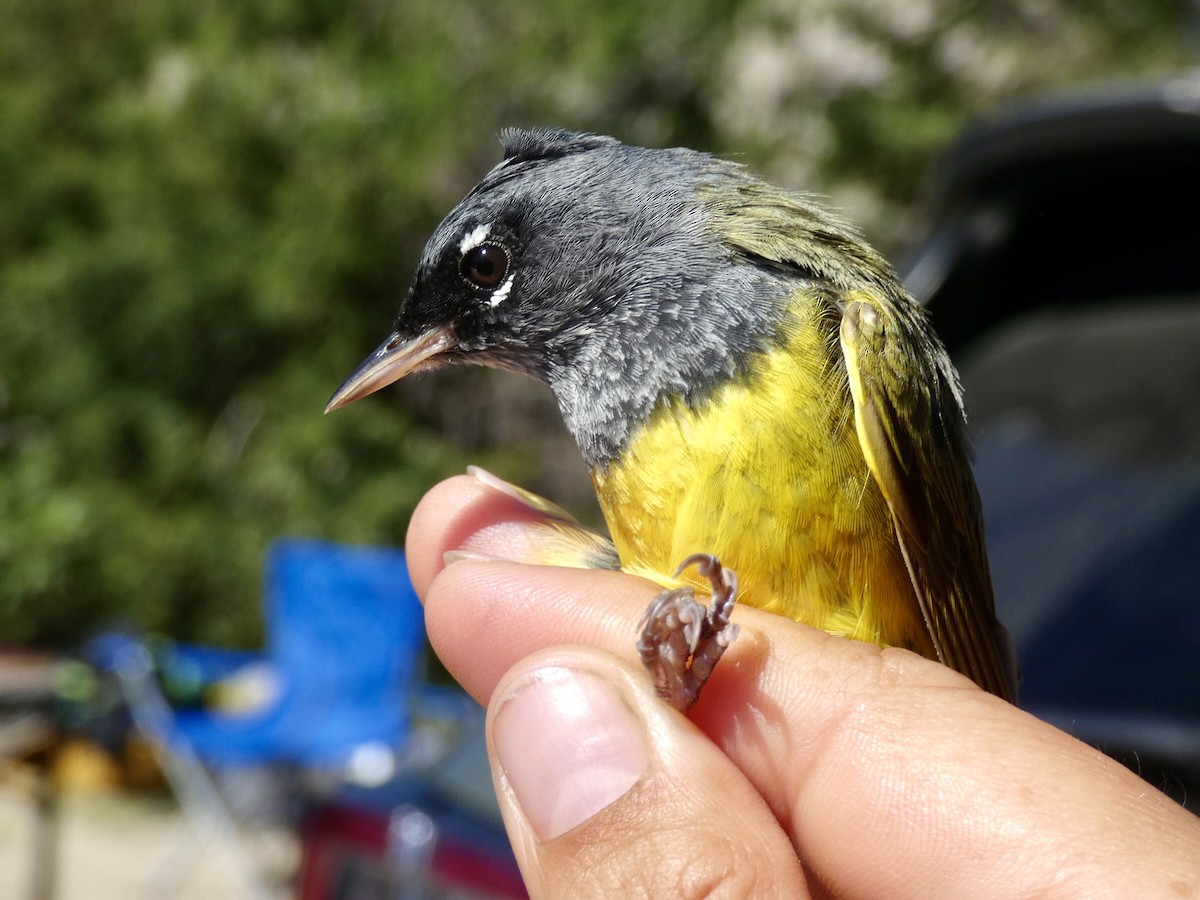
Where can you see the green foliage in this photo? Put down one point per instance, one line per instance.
(209, 213)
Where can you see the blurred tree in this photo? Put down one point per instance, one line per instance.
(209, 213)
(857, 97)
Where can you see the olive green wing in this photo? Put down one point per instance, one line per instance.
(908, 415)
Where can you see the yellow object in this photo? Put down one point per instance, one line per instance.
(792, 510)
(81, 765)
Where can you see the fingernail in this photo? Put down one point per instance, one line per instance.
(569, 746)
(453, 556)
(522, 496)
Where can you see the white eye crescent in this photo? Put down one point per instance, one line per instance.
(474, 238)
(502, 292)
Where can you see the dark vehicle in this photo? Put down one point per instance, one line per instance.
(1063, 272)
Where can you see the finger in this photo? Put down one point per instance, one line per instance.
(483, 617)
(465, 513)
(481, 514)
(620, 795)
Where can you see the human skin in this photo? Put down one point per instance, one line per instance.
(811, 766)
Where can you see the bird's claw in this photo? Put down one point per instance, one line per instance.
(682, 640)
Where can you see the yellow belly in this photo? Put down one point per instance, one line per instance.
(769, 477)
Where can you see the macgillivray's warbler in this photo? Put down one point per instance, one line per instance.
(747, 380)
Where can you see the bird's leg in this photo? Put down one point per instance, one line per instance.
(682, 640)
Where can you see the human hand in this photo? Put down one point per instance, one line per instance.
(811, 765)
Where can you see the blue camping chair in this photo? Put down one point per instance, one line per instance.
(344, 635)
(344, 632)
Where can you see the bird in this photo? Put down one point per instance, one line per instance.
(752, 390)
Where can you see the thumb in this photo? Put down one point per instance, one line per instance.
(606, 791)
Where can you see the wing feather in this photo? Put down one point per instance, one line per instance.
(908, 416)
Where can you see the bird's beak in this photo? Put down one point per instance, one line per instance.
(391, 361)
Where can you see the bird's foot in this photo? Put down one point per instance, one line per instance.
(682, 639)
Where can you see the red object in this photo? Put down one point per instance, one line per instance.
(345, 854)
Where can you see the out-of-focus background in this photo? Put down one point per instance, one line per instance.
(209, 213)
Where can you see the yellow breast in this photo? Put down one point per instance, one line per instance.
(768, 476)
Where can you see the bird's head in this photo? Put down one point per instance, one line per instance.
(616, 274)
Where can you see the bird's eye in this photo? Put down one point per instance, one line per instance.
(485, 265)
